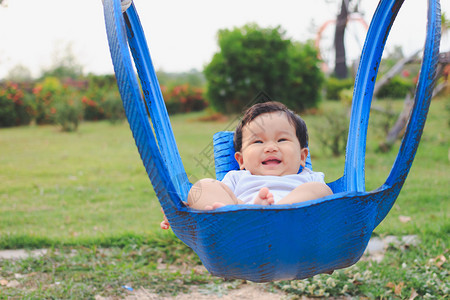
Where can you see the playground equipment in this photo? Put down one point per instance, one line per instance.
(267, 243)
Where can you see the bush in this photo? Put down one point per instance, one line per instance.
(305, 78)
(253, 60)
(346, 97)
(45, 93)
(57, 104)
(92, 109)
(15, 106)
(334, 86)
(183, 98)
(332, 133)
(113, 108)
(67, 112)
(397, 87)
(100, 87)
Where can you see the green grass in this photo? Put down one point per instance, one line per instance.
(89, 184)
(79, 192)
(85, 184)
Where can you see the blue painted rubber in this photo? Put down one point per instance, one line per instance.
(266, 243)
(155, 103)
(354, 172)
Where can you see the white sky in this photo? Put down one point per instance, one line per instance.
(181, 34)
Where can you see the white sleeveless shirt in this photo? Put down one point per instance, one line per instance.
(246, 186)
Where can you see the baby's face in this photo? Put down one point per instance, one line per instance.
(270, 146)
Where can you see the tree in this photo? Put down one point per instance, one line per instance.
(340, 67)
(346, 10)
(65, 64)
(254, 59)
(19, 73)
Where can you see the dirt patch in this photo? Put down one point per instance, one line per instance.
(244, 292)
(248, 291)
(21, 253)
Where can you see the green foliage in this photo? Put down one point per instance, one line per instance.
(45, 93)
(67, 111)
(346, 97)
(332, 131)
(334, 86)
(102, 89)
(193, 78)
(51, 100)
(99, 82)
(56, 103)
(113, 108)
(19, 73)
(405, 271)
(305, 78)
(397, 87)
(254, 59)
(92, 107)
(183, 98)
(15, 105)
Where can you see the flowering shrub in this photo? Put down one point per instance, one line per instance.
(183, 98)
(92, 109)
(15, 106)
(57, 104)
(45, 93)
(51, 101)
(98, 91)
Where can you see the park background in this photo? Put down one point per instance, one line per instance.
(72, 181)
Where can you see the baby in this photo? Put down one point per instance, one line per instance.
(271, 148)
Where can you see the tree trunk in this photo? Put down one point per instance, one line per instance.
(340, 68)
(397, 130)
(399, 127)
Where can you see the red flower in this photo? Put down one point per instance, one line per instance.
(37, 89)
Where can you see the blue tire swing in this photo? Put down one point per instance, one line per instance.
(278, 242)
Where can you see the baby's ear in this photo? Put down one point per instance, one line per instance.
(303, 156)
(240, 159)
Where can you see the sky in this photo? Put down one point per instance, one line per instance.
(182, 35)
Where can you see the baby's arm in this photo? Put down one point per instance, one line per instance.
(306, 191)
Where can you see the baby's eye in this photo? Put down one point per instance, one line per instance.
(282, 140)
(257, 142)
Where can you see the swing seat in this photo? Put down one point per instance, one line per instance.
(267, 243)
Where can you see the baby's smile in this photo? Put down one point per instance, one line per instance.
(271, 161)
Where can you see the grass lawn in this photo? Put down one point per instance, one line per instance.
(89, 189)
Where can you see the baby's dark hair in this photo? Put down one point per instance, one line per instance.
(269, 107)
